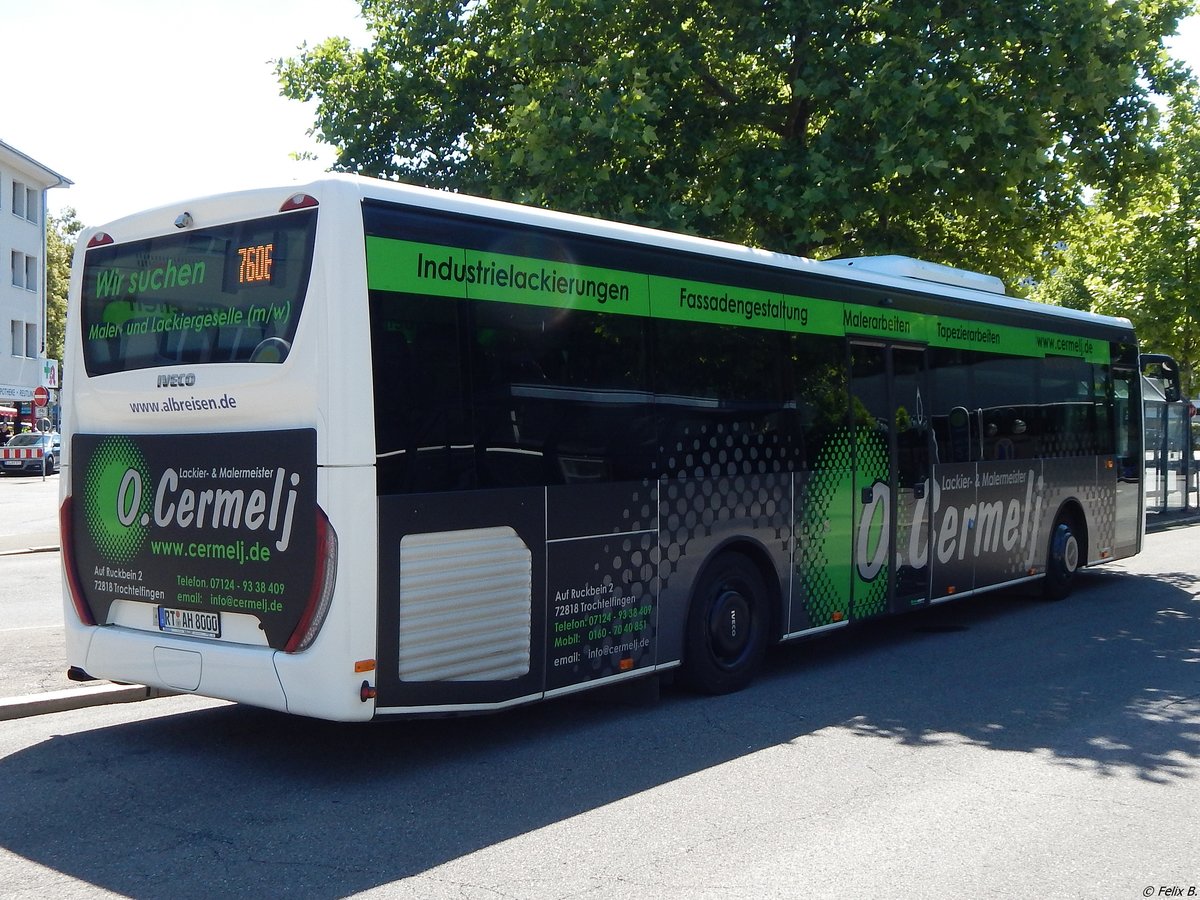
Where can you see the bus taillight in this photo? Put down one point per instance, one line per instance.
(68, 559)
(321, 593)
(298, 201)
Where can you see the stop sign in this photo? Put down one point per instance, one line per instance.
(41, 396)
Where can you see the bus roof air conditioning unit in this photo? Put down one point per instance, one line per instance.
(907, 267)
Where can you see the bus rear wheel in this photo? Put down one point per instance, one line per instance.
(1063, 558)
(727, 626)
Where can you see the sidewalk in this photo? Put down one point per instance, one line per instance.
(33, 678)
(1174, 518)
(33, 668)
(41, 542)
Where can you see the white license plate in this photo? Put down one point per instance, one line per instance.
(13, 462)
(189, 621)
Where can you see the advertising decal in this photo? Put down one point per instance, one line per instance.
(199, 525)
(443, 271)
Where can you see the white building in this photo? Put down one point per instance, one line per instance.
(23, 367)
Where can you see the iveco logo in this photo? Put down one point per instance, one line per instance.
(185, 380)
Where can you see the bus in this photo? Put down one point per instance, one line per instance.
(359, 450)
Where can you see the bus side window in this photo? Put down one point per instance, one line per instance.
(1069, 426)
(422, 434)
(722, 379)
(955, 430)
(559, 395)
(820, 388)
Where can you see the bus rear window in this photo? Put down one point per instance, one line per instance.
(213, 295)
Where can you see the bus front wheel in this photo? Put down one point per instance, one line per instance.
(727, 626)
(1063, 559)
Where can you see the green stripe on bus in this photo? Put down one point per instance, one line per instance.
(415, 268)
(967, 335)
(894, 324)
(699, 301)
(412, 267)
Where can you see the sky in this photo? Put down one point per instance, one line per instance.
(147, 102)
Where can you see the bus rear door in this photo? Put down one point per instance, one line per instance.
(892, 468)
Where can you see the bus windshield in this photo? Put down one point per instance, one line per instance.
(232, 293)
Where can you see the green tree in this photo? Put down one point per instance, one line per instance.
(61, 231)
(1133, 250)
(954, 131)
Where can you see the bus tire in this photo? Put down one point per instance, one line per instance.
(727, 626)
(1062, 558)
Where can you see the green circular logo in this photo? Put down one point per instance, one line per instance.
(116, 498)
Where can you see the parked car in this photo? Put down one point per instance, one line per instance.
(16, 456)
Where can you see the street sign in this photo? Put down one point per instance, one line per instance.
(41, 396)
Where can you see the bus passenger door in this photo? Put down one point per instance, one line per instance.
(892, 488)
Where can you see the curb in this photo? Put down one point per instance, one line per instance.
(20, 551)
(1156, 522)
(76, 698)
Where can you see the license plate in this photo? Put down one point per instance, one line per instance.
(13, 462)
(190, 622)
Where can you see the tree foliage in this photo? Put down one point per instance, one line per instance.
(1133, 251)
(959, 132)
(61, 231)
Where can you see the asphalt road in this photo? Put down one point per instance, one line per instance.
(999, 747)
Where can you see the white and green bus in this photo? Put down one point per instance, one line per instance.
(360, 450)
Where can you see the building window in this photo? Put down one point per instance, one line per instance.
(24, 339)
(24, 271)
(25, 202)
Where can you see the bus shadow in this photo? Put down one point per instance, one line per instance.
(1104, 682)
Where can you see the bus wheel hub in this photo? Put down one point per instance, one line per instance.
(730, 625)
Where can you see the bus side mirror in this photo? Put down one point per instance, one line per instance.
(1163, 371)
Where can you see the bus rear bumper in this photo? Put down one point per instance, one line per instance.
(237, 673)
